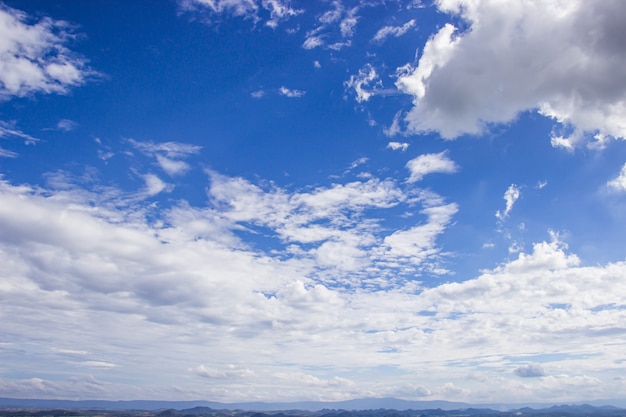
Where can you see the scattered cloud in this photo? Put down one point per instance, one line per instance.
(394, 146)
(168, 155)
(335, 27)
(395, 31)
(8, 129)
(533, 56)
(5, 153)
(287, 92)
(66, 125)
(619, 183)
(154, 185)
(430, 163)
(368, 78)
(510, 197)
(35, 57)
(273, 12)
(257, 94)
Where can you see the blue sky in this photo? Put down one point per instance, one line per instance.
(241, 200)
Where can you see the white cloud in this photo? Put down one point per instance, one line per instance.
(34, 58)
(154, 185)
(189, 283)
(255, 10)
(257, 94)
(172, 166)
(619, 183)
(228, 372)
(394, 146)
(510, 197)
(368, 78)
(395, 31)
(168, 155)
(8, 129)
(430, 163)
(561, 58)
(291, 93)
(66, 125)
(335, 27)
(312, 42)
(5, 153)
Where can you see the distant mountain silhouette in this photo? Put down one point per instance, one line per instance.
(176, 408)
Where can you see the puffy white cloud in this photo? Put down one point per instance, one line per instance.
(395, 31)
(510, 197)
(430, 163)
(562, 58)
(619, 183)
(34, 58)
(291, 93)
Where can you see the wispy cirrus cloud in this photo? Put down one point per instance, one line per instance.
(395, 31)
(272, 12)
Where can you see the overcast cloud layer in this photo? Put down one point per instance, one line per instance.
(260, 200)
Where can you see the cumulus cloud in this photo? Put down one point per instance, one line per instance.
(563, 59)
(430, 163)
(255, 10)
(291, 93)
(510, 197)
(395, 31)
(364, 83)
(532, 370)
(34, 58)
